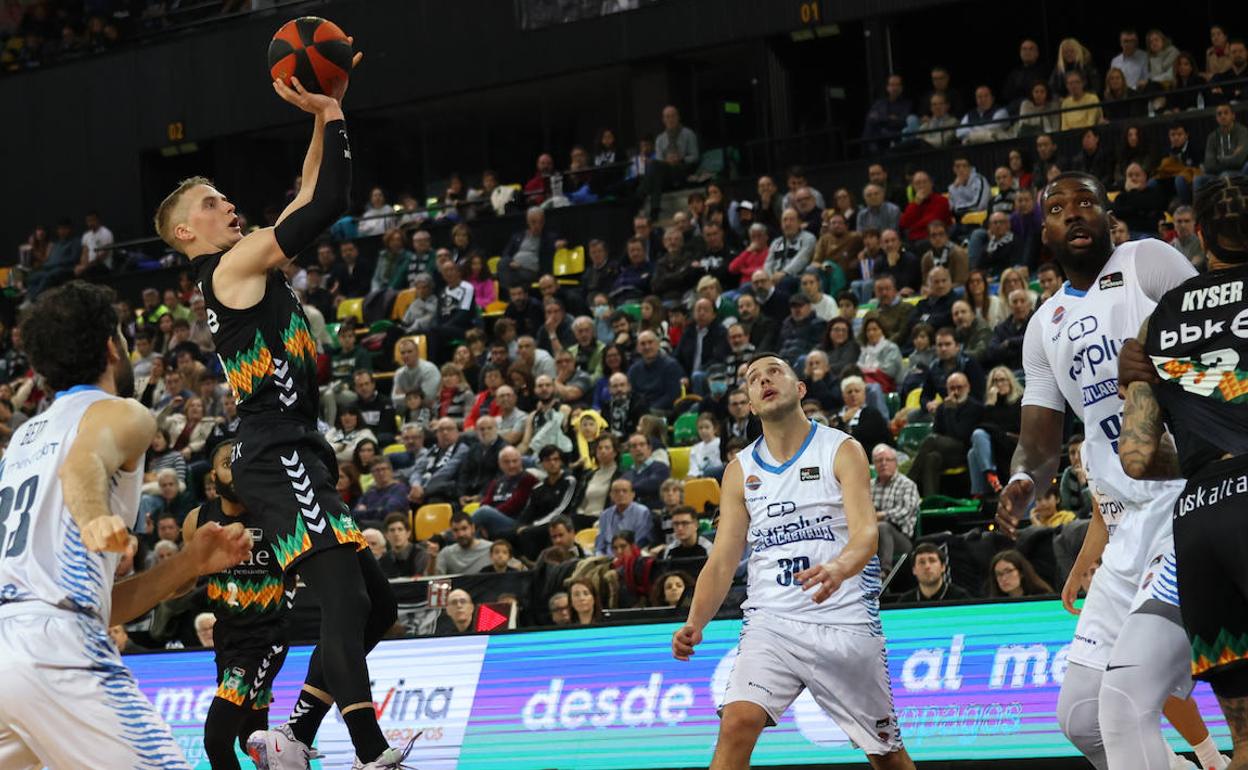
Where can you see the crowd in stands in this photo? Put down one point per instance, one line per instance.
(566, 409)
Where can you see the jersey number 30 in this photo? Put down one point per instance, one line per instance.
(789, 569)
(13, 530)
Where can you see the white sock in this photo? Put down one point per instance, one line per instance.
(1207, 754)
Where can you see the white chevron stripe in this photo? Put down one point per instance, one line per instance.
(302, 486)
(306, 498)
(291, 461)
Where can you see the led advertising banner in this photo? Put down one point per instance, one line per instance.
(970, 682)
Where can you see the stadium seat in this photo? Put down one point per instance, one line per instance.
(351, 308)
(913, 435)
(685, 431)
(976, 218)
(401, 301)
(680, 461)
(586, 537)
(633, 309)
(421, 346)
(432, 519)
(626, 461)
(701, 492)
(495, 309)
(894, 404)
(569, 262)
(914, 398)
(470, 508)
(393, 449)
(492, 262)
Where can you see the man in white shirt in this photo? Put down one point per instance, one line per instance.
(824, 305)
(1132, 61)
(96, 240)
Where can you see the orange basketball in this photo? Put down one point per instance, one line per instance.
(314, 50)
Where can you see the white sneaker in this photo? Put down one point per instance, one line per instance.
(390, 759)
(1224, 762)
(1179, 762)
(279, 749)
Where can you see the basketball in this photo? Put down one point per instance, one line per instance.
(312, 49)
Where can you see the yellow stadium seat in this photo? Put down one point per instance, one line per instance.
(432, 519)
(420, 341)
(351, 308)
(586, 537)
(469, 508)
(569, 261)
(492, 262)
(680, 461)
(393, 449)
(701, 492)
(913, 398)
(1112, 195)
(976, 218)
(401, 303)
(495, 308)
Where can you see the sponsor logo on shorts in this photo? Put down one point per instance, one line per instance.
(1210, 495)
(810, 474)
(1111, 281)
(753, 482)
(758, 686)
(1086, 640)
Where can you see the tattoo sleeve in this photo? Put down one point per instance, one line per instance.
(1144, 448)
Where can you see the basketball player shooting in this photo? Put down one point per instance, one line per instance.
(800, 495)
(284, 470)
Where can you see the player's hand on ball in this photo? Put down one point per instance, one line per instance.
(827, 577)
(216, 548)
(1134, 365)
(1012, 504)
(684, 640)
(309, 102)
(106, 533)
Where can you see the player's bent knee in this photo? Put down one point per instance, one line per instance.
(742, 722)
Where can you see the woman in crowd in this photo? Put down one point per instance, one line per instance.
(1020, 167)
(704, 456)
(986, 305)
(595, 489)
(922, 356)
(349, 483)
(1037, 113)
(362, 458)
(348, 431)
(1218, 54)
(479, 277)
(1011, 575)
(865, 423)
(189, 430)
(1133, 149)
(454, 397)
(655, 431)
(1186, 76)
(461, 245)
(839, 345)
(1114, 100)
(1139, 206)
(613, 361)
(589, 427)
(1011, 279)
(484, 404)
(1073, 56)
(161, 455)
(997, 435)
(752, 256)
(880, 358)
(654, 319)
(1161, 57)
(586, 608)
(469, 370)
(521, 381)
(674, 589)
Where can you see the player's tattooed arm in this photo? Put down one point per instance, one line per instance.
(1145, 450)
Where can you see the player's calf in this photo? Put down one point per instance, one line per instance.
(739, 727)
(898, 760)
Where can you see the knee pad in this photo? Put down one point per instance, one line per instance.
(1078, 709)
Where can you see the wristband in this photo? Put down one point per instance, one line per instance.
(1021, 475)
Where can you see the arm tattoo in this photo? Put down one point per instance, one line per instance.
(1144, 449)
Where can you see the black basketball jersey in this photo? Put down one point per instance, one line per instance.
(267, 350)
(1198, 342)
(250, 594)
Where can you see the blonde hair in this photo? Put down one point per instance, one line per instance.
(1016, 390)
(1083, 57)
(165, 212)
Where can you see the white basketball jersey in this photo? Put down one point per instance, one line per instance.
(1070, 354)
(797, 520)
(42, 558)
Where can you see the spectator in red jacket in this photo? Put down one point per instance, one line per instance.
(928, 206)
(506, 496)
(537, 189)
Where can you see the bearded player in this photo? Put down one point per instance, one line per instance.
(283, 469)
(1122, 658)
(1195, 339)
(800, 495)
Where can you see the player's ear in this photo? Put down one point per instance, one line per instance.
(183, 232)
(801, 391)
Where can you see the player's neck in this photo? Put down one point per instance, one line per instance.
(231, 509)
(786, 433)
(1082, 277)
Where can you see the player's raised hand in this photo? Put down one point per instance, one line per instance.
(1134, 365)
(312, 103)
(1012, 504)
(106, 533)
(215, 548)
(827, 577)
(684, 640)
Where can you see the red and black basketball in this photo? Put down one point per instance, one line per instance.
(314, 50)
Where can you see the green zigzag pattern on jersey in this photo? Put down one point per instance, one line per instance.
(249, 368)
(1225, 648)
(287, 547)
(297, 340)
(252, 596)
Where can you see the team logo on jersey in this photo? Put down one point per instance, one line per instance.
(1059, 314)
(753, 482)
(810, 474)
(1111, 281)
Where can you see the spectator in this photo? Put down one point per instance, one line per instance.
(416, 374)
(1161, 57)
(1185, 238)
(467, 554)
(1223, 89)
(460, 610)
(929, 567)
(946, 447)
(1025, 223)
(481, 463)
(865, 423)
(822, 385)
(204, 623)
(586, 606)
(999, 249)
(998, 434)
(763, 332)
(624, 513)
(1075, 97)
(789, 254)
(1046, 160)
(1092, 158)
(1132, 62)
(1140, 206)
(500, 558)
(837, 244)
(1046, 512)
(687, 542)
(1217, 55)
(1019, 81)
(385, 495)
(986, 122)
(806, 203)
(1011, 575)
(552, 498)
(160, 456)
(1118, 102)
(754, 256)
(1226, 149)
(969, 191)
(455, 398)
(809, 284)
(898, 262)
(886, 117)
(556, 332)
(704, 456)
(949, 359)
(944, 253)
(588, 350)
(936, 130)
(624, 407)
(1006, 347)
(839, 346)
(402, 558)
(529, 253)
(1073, 484)
(894, 314)
(546, 422)
(704, 342)
(927, 206)
(437, 480)
(876, 213)
(378, 216)
(880, 358)
(506, 496)
(1038, 112)
(189, 431)
(376, 411)
(655, 376)
(412, 436)
(936, 309)
(96, 257)
(896, 500)
(773, 300)
(801, 331)
(648, 472)
(560, 607)
(1073, 56)
(1189, 90)
(63, 255)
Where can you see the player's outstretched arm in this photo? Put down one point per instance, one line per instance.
(852, 473)
(212, 549)
(112, 436)
(1032, 467)
(716, 577)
